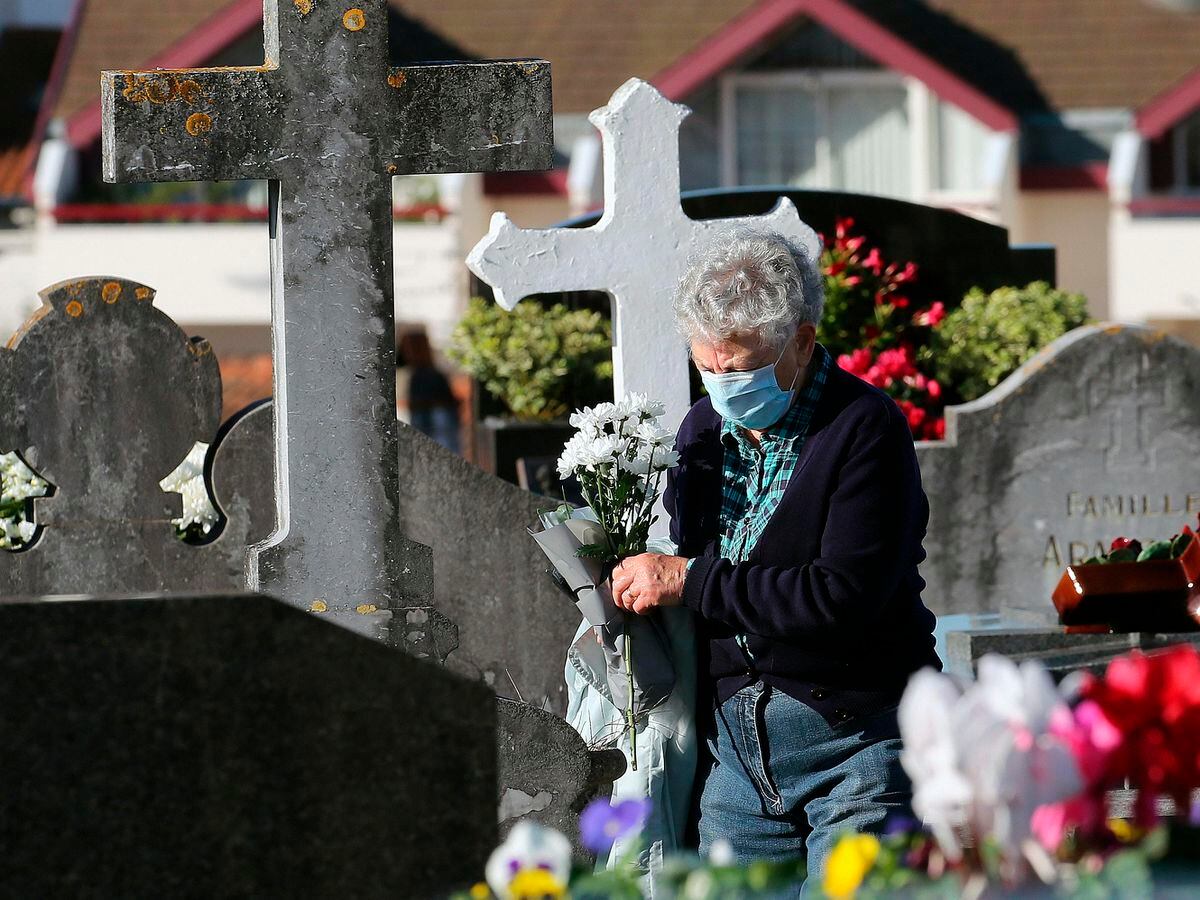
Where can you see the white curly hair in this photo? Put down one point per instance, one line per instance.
(749, 282)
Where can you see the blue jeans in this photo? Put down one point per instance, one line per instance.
(785, 783)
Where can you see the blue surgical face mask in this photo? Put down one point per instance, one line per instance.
(751, 399)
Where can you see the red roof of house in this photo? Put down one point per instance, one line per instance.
(1024, 55)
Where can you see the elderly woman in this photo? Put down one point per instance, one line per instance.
(798, 512)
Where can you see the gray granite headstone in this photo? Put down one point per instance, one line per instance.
(104, 395)
(328, 123)
(511, 625)
(233, 746)
(547, 774)
(1096, 437)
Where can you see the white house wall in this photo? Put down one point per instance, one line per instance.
(217, 274)
(1153, 262)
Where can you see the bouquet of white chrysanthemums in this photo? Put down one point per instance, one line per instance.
(619, 455)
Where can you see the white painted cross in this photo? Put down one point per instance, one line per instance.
(637, 252)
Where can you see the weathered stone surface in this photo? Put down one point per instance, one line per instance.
(547, 774)
(232, 746)
(104, 396)
(243, 479)
(637, 251)
(329, 124)
(511, 625)
(1096, 437)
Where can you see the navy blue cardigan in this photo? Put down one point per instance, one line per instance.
(830, 597)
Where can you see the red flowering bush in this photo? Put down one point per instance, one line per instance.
(875, 330)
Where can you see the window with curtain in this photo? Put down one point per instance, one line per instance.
(842, 131)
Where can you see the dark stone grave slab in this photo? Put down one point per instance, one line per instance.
(233, 746)
(1060, 653)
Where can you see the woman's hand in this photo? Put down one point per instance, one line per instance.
(649, 580)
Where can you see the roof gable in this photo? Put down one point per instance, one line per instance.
(1027, 56)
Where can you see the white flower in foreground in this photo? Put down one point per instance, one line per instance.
(601, 451)
(649, 459)
(664, 458)
(529, 848)
(586, 421)
(604, 413)
(640, 406)
(653, 433)
(982, 758)
(941, 792)
(571, 459)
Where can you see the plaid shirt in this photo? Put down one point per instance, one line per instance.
(755, 478)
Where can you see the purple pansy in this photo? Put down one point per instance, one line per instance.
(603, 824)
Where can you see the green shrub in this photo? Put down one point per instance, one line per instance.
(986, 339)
(539, 361)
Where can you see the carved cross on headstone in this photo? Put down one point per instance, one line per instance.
(637, 252)
(329, 122)
(1133, 403)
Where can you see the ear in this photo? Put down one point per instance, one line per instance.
(806, 343)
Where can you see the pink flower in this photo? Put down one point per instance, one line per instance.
(897, 363)
(934, 389)
(932, 316)
(873, 261)
(856, 363)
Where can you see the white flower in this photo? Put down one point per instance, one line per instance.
(649, 458)
(585, 420)
(640, 406)
(571, 459)
(604, 413)
(982, 759)
(188, 480)
(653, 433)
(664, 458)
(529, 846)
(601, 451)
(639, 465)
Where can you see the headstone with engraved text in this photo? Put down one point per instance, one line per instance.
(1096, 437)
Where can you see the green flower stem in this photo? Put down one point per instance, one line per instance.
(629, 705)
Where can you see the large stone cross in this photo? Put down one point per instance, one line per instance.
(637, 252)
(329, 123)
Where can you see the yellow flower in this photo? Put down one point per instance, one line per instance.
(480, 891)
(536, 884)
(849, 863)
(1125, 831)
